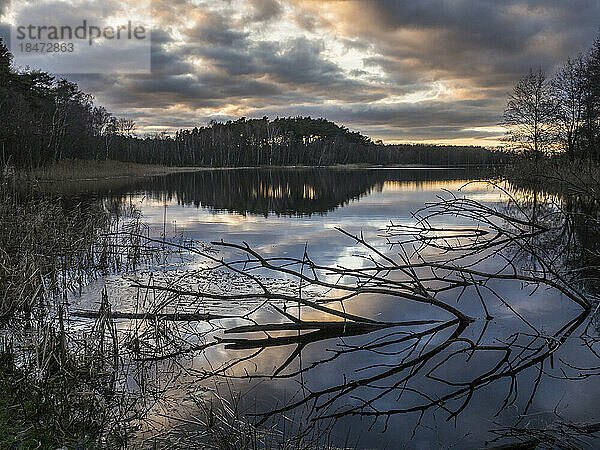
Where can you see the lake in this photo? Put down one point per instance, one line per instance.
(430, 347)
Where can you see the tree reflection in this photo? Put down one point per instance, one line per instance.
(287, 192)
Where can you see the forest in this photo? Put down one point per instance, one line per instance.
(46, 120)
(559, 114)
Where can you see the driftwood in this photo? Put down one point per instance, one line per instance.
(316, 325)
(322, 331)
(300, 339)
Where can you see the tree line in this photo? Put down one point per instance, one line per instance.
(560, 113)
(45, 120)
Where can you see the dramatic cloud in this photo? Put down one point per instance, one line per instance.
(426, 70)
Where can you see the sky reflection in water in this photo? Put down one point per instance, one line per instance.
(281, 212)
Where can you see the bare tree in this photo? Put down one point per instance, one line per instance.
(592, 100)
(126, 127)
(529, 114)
(568, 89)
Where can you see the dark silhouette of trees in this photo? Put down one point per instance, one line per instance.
(568, 90)
(591, 130)
(563, 113)
(529, 114)
(5, 63)
(44, 119)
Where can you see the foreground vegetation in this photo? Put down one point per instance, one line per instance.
(557, 175)
(57, 387)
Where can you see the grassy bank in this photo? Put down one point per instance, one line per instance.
(76, 176)
(94, 170)
(557, 175)
(78, 170)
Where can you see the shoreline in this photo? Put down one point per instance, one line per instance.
(556, 176)
(94, 171)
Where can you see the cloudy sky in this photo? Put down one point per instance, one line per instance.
(397, 70)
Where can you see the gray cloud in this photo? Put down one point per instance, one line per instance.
(409, 120)
(265, 10)
(484, 41)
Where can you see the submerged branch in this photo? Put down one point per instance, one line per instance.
(174, 317)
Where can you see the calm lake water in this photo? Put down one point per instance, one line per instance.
(281, 213)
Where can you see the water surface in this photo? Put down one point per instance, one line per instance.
(285, 212)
